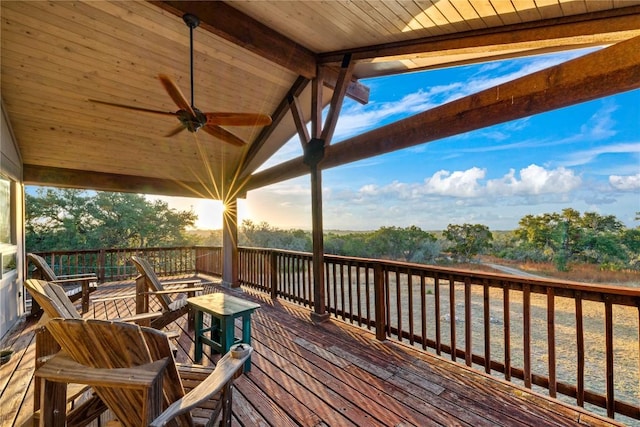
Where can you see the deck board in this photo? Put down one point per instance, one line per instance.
(333, 374)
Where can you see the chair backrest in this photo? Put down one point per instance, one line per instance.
(153, 283)
(43, 267)
(108, 345)
(52, 298)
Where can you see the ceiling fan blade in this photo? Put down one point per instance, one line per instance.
(176, 131)
(174, 92)
(223, 134)
(238, 119)
(130, 107)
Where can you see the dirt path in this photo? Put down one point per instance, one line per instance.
(513, 271)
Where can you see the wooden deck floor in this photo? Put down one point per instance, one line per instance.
(332, 374)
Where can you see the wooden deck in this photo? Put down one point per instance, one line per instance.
(333, 374)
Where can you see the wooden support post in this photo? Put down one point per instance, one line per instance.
(313, 153)
(230, 244)
(102, 271)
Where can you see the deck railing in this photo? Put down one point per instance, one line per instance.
(114, 264)
(578, 342)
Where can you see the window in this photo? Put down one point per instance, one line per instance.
(5, 212)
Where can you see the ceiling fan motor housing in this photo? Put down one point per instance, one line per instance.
(192, 123)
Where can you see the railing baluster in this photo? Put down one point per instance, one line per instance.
(487, 326)
(506, 324)
(526, 333)
(410, 308)
(551, 340)
(423, 310)
(436, 293)
(358, 293)
(387, 299)
(335, 287)
(452, 316)
(399, 304)
(608, 316)
(350, 292)
(468, 349)
(367, 293)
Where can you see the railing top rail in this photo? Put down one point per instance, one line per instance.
(83, 251)
(476, 276)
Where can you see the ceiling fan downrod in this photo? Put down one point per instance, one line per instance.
(192, 22)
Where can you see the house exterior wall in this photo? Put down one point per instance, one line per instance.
(12, 253)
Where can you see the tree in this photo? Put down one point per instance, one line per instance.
(62, 219)
(468, 240)
(57, 219)
(262, 235)
(570, 236)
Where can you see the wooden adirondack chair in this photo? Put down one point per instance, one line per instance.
(57, 304)
(148, 283)
(133, 371)
(77, 285)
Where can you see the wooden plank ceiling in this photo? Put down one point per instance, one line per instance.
(248, 57)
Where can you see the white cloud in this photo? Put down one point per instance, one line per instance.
(455, 184)
(535, 180)
(625, 183)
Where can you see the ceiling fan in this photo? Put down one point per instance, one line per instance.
(189, 116)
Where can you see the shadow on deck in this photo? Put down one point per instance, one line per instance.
(333, 374)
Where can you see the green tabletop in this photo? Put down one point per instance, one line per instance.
(221, 304)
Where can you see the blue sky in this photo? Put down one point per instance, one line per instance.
(586, 157)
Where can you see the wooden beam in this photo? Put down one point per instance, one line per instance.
(602, 73)
(224, 21)
(72, 178)
(317, 103)
(337, 99)
(298, 119)
(355, 90)
(594, 28)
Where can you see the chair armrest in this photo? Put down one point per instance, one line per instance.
(173, 291)
(78, 276)
(79, 279)
(139, 317)
(180, 282)
(224, 373)
(115, 298)
(61, 368)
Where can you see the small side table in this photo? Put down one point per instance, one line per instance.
(223, 309)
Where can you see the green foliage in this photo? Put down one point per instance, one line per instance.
(570, 236)
(262, 235)
(468, 240)
(63, 219)
(397, 243)
(408, 244)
